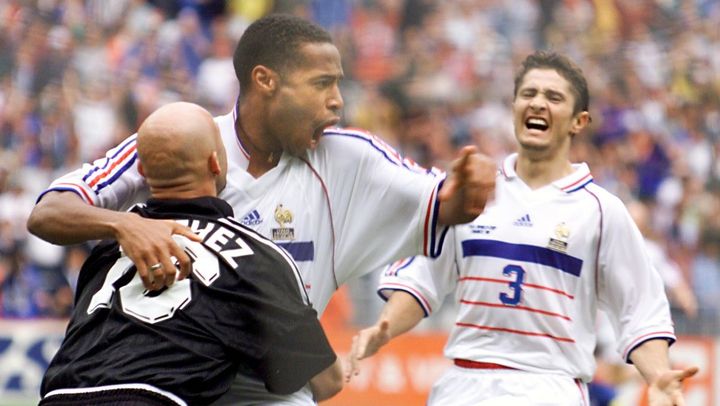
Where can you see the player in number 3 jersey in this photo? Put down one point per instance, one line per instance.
(531, 271)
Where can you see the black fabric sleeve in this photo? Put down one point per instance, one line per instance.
(296, 357)
(274, 332)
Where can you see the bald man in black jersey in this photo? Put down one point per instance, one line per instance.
(243, 307)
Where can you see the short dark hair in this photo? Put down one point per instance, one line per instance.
(562, 65)
(274, 41)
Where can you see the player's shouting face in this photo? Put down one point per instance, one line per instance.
(543, 113)
(307, 99)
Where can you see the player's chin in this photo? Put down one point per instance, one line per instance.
(532, 144)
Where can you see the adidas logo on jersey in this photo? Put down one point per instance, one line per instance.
(523, 221)
(251, 219)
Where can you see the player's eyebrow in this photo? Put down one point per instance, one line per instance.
(329, 76)
(554, 93)
(549, 93)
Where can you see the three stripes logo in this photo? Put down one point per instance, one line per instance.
(523, 221)
(251, 219)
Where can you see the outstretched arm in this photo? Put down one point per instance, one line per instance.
(400, 314)
(468, 187)
(327, 383)
(664, 384)
(63, 218)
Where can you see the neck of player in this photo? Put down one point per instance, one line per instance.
(264, 155)
(186, 190)
(537, 172)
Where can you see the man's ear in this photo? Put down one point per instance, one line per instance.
(214, 164)
(265, 79)
(141, 170)
(580, 121)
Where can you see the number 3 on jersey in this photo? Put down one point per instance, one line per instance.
(155, 307)
(516, 285)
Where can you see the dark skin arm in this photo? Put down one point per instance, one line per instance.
(469, 185)
(327, 383)
(63, 218)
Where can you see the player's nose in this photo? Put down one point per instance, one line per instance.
(536, 104)
(335, 102)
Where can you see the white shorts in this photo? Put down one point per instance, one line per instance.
(506, 387)
(250, 391)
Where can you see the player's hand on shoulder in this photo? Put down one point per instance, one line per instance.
(667, 389)
(469, 186)
(366, 343)
(149, 244)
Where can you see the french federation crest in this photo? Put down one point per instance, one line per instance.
(283, 217)
(559, 241)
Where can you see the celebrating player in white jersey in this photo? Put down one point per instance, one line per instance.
(325, 194)
(530, 272)
(123, 346)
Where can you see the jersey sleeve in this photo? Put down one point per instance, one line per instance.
(384, 207)
(630, 289)
(112, 182)
(427, 280)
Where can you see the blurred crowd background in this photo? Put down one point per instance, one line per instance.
(76, 77)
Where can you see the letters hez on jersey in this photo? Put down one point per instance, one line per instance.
(224, 241)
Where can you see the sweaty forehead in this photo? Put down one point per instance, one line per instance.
(545, 79)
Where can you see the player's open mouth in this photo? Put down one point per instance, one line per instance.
(319, 130)
(316, 137)
(536, 123)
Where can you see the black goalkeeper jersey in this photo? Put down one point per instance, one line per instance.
(244, 306)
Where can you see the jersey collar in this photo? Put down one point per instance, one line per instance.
(577, 180)
(235, 114)
(508, 166)
(206, 206)
(580, 177)
(236, 154)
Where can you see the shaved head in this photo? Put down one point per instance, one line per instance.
(180, 150)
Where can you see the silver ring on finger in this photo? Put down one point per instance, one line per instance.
(156, 267)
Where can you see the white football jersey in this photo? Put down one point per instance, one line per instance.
(531, 271)
(330, 209)
(348, 207)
